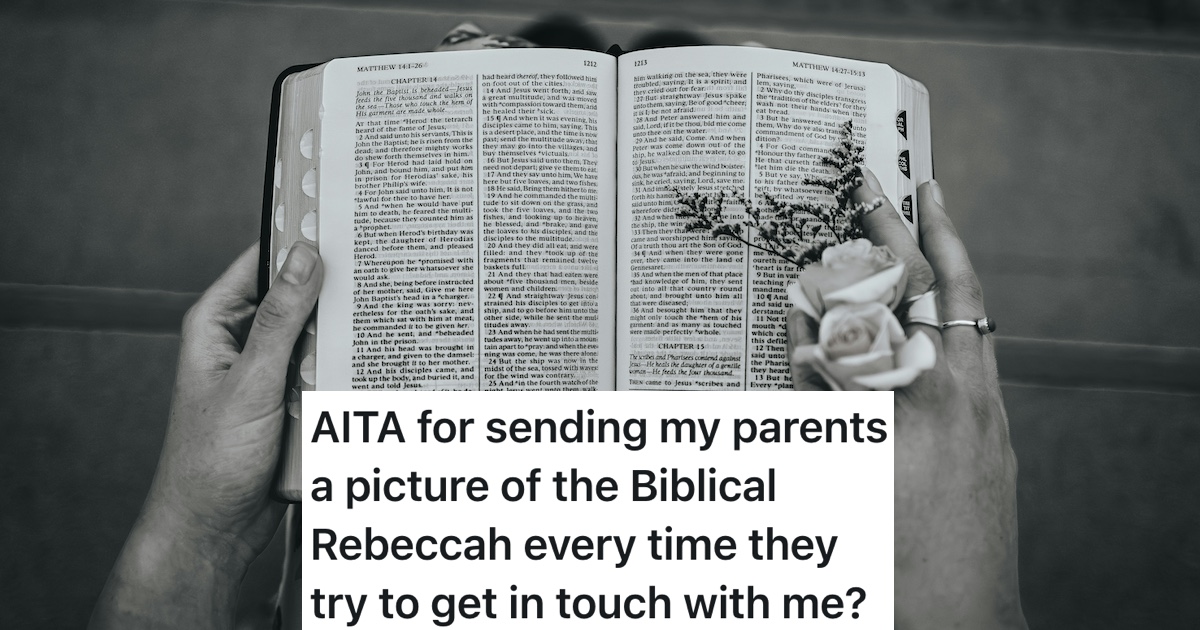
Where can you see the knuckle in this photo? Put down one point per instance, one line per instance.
(274, 312)
(882, 225)
(963, 287)
(920, 274)
(932, 388)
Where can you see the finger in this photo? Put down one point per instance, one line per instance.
(280, 318)
(884, 227)
(215, 325)
(459, 37)
(959, 293)
(468, 36)
(947, 256)
(802, 333)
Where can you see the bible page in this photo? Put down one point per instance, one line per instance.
(467, 221)
(698, 312)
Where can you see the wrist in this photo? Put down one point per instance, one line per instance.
(182, 536)
(169, 574)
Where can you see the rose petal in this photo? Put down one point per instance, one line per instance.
(891, 379)
(885, 287)
(893, 360)
(859, 251)
(872, 361)
(883, 341)
(864, 319)
(873, 317)
(812, 357)
(919, 352)
(895, 332)
(852, 339)
(819, 368)
(827, 279)
(855, 250)
(840, 374)
(855, 272)
(917, 355)
(894, 327)
(813, 293)
(800, 301)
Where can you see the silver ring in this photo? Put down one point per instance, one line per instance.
(920, 296)
(920, 309)
(985, 325)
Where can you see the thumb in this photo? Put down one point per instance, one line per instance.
(281, 316)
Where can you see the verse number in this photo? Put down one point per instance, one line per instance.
(639, 62)
(589, 64)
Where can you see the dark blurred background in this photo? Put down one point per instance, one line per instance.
(1067, 139)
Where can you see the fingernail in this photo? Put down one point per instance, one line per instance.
(301, 261)
(469, 27)
(936, 190)
(872, 182)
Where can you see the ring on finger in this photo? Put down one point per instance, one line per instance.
(985, 325)
(922, 309)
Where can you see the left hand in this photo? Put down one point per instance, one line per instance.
(956, 474)
(209, 512)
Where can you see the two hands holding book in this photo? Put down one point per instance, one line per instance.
(209, 511)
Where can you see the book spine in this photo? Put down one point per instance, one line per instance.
(289, 215)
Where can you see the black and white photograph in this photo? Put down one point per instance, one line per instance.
(212, 209)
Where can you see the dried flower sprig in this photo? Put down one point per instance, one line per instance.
(796, 232)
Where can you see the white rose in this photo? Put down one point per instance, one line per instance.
(855, 272)
(863, 347)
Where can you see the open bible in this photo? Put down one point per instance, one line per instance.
(508, 219)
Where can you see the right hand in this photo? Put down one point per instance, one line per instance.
(956, 501)
(209, 512)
